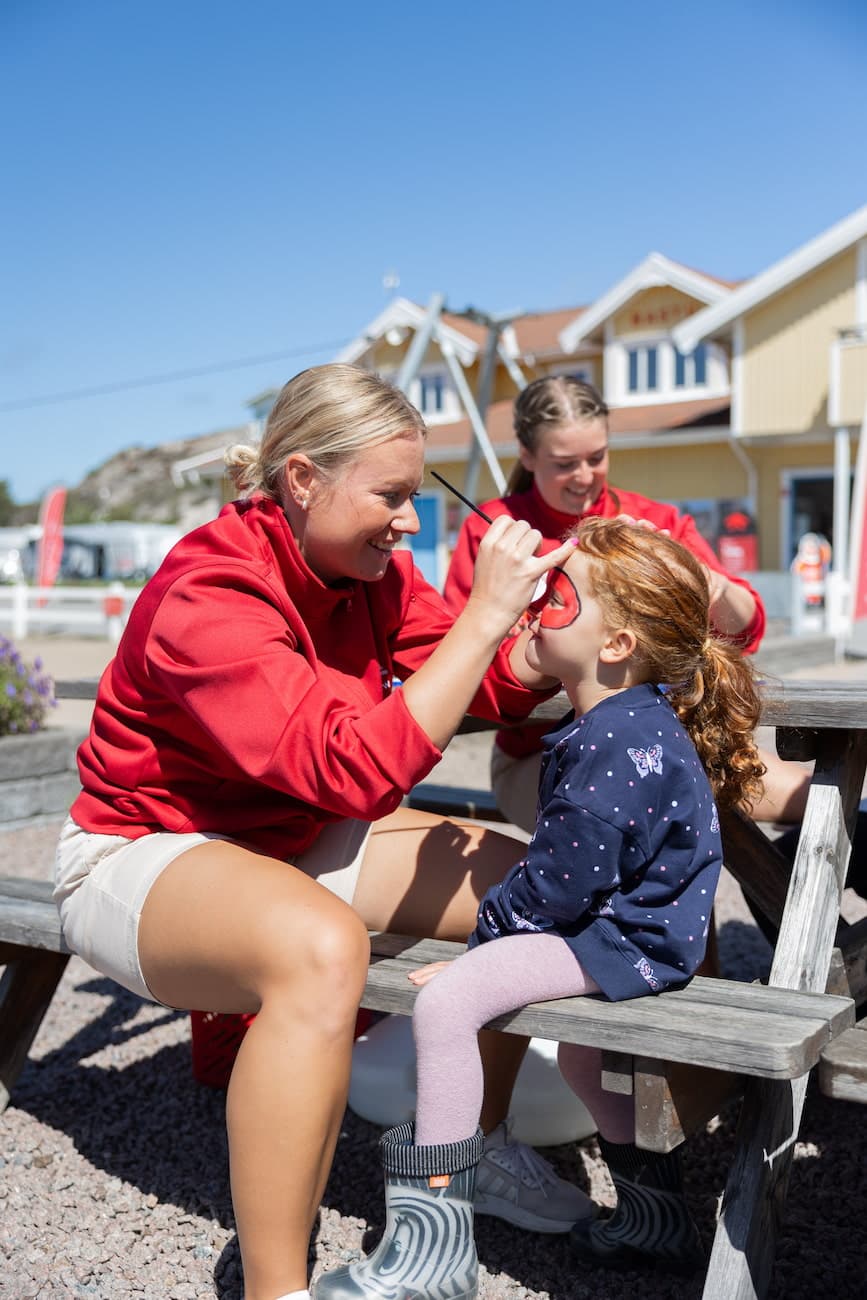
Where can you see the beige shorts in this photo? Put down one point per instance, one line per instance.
(515, 782)
(102, 881)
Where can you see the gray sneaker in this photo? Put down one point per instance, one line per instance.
(515, 1183)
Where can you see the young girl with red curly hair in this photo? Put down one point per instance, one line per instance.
(613, 897)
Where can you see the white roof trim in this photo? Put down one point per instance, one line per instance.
(403, 314)
(653, 271)
(779, 276)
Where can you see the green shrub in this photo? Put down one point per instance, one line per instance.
(26, 692)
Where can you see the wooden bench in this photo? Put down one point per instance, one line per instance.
(843, 1063)
(35, 956)
(761, 1040)
(723, 1024)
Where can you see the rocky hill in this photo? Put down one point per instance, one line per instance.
(138, 483)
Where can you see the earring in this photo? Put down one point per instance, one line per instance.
(302, 501)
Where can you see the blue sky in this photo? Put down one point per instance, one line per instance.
(190, 183)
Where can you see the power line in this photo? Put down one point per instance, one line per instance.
(168, 377)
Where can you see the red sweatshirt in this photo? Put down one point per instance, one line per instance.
(249, 698)
(553, 525)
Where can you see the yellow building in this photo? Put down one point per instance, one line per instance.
(796, 337)
(732, 400)
(739, 402)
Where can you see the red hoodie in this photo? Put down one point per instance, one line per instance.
(249, 698)
(553, 525)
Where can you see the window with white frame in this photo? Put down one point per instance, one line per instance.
(690, 368)
(434, 393)
(651, 369)
(642, 368)
(583, 373)
(432, 389)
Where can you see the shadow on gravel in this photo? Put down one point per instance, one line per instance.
(143, 1119)
(744, 952)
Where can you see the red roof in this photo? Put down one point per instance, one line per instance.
(539, 331)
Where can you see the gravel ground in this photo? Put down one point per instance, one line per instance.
(113, 1168)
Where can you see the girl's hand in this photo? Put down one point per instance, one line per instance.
(426, 973)
(508, 570)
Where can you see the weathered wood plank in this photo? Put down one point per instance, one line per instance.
(791, 703)
(76, 688)
(617, 1073)
(852, 940)
(673, 1101)
(803, 952)
(28, 916)
(760, 869)
(734, 994)
(746, 1236)
(719, 1023)
(744, 1246)
(455, 801)
(26, 989)
(843, 1065)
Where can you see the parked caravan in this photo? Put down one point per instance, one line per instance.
(15, 551)
(116, 551)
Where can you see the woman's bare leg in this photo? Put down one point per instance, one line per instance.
(424, 875)
(229, 930)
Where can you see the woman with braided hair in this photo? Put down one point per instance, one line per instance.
(561, 478)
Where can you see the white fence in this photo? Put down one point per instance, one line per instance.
(76, 611)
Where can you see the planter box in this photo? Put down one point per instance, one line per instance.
(38, 775)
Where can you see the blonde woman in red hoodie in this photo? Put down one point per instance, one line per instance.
(561, 477)
(239, 827)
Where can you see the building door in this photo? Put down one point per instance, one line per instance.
(808, 507)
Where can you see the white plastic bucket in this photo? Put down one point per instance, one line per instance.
(544, 1112)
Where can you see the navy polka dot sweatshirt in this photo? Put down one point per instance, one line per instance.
(626, 855)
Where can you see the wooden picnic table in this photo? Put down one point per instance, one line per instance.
(825, 722)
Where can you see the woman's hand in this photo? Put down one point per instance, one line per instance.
(439, 693)
(731, 607)
(643, 523)
(425, 974)
(508, 570)
(717, 585)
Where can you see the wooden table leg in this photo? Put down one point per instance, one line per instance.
(745, 1243)
(746, 1236)
(26, 989)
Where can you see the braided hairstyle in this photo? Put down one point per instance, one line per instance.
(655, 587)
(549, 403)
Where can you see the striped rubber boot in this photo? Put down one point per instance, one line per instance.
(651, 1224)
(427, 1251)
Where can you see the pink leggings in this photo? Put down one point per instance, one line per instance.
(485, 982)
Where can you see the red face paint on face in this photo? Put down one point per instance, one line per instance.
(559, 605)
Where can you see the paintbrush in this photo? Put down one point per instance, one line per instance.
(461, 497)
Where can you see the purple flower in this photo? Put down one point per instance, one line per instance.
(11, 690)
